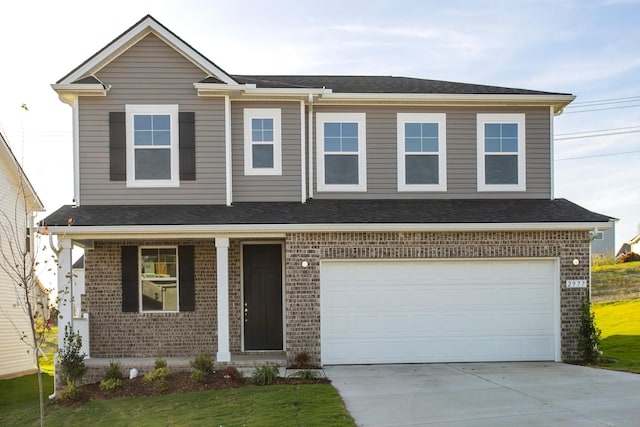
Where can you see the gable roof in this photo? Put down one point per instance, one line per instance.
(399, 215)
(131, 36)
(18, 172)
(327, 88)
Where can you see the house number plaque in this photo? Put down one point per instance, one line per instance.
(576, 283)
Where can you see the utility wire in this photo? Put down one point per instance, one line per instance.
(612, 100)
(598, 155)
(596, 135)
(601, 109)
(597, 130)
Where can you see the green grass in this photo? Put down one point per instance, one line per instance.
(302, 405)
(615, 282)
(620, 325)
(22, 393)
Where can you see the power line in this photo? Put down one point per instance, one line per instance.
(602, 109)
(612, 100)
(597, 130)
(596, 135)
(598, 155)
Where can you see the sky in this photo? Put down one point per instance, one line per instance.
(587, 48)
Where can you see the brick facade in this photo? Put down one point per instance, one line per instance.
(116, 334)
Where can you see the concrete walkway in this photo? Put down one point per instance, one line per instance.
(488, 394)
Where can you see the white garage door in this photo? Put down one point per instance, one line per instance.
(438, 311)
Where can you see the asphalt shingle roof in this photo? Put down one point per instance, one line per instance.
(331, 212)
(377, 84)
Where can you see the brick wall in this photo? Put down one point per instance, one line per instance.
(116, 334)
(303, 284)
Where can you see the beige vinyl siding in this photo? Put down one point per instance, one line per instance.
(263, 188)
(14, 358)
(151, 72)
(461, 153)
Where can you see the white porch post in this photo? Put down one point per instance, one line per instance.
(65, 293)
(222, 264)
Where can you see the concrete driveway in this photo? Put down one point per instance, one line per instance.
(488, 394)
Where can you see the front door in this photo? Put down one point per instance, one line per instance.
(262, 276)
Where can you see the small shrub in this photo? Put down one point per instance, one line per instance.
(232, 373)
(71, 361)
(158, 376)
(265, 375)
(203, 363)
(302, 360)
(160, 363)
(71, 391)
(305, 374)
(588, 334)
(113, 372)
(198, 375)
(110, 384)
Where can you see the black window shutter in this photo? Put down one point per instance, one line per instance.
(187, 146)
(117, 147)
(130, 279)
(187, 278)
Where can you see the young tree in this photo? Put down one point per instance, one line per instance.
(19, 263)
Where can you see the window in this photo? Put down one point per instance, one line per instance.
(262, 141)
(152, 145)
(422, 152)
(501, 148)
(158, 279)
(341, 151)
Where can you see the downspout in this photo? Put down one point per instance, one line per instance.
(75, 111)
(303, 146)
(310, 123)
(227, 149)
(551, 152)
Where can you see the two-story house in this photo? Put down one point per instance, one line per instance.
(359, 219)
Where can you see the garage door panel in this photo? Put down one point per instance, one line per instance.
(399, 312)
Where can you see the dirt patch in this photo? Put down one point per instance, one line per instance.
(176, 383)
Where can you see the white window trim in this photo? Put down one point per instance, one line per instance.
(441, 120)
(263, 113)
(172, 110)
(361, 120)
(518, 119)
(140, 308)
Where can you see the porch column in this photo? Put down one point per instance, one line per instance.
(65, 290)
(222, 264)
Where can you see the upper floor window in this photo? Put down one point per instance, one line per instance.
(341, 151)
(159, 279)
(422, 152)
(262, 141)
(501, 152)
(152, 145)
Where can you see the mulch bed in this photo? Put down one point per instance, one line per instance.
(180, 382)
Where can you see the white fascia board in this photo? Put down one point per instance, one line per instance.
(558, 101)
(217, 89)
(144, 27)
(201, 231)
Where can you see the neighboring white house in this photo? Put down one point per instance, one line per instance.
(18, 202)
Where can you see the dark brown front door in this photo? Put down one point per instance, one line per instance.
(262, 273)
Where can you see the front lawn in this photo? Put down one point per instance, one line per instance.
(620, 325)
(22, 392)
(300, 405)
